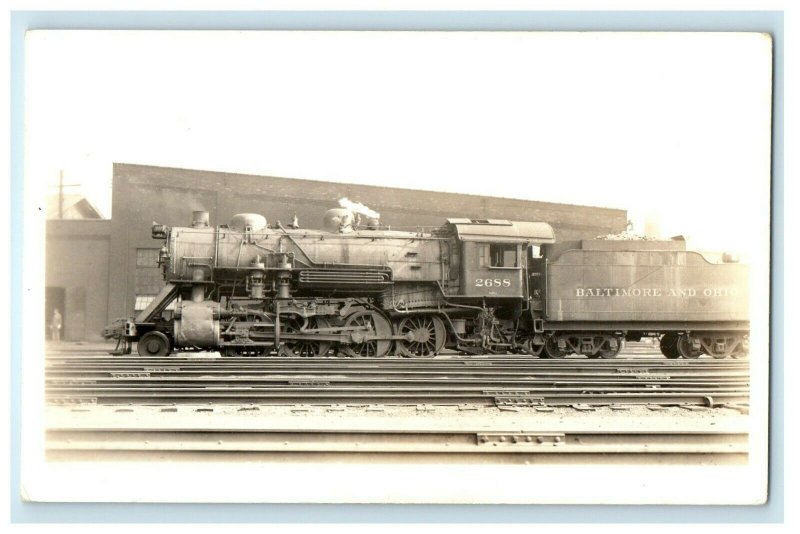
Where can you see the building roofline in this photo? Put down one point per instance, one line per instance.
(375, 187)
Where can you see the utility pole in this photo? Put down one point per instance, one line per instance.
(61, 193)
(61, 187)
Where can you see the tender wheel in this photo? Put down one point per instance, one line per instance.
(731, 346)
(718, 356)
(154, 344)
(533, 350)
(740, 351)
(373, 323)
(425, 334)
(551, 349)
(669, 346)
(304, 348)
(684, 346)
(607, 352)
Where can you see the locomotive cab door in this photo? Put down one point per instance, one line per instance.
(492, 270)
(536, 278)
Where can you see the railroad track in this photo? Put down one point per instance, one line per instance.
(404, 442)
(502, 406)
(498, 380)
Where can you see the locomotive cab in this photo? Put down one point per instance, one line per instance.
(494, 255)
(492, 270)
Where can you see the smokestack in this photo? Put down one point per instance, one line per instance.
(199, 219)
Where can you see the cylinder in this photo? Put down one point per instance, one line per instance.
(198, 325)
(200, 219)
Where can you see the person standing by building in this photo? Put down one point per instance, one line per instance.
(55, 325)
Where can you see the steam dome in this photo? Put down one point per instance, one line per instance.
(241, 221)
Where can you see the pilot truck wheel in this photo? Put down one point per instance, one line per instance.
(154, 344)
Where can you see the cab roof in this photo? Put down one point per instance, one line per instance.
(498, 230)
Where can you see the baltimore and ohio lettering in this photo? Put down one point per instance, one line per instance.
(655, 292)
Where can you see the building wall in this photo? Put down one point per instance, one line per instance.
(77, 266)
(146, 194)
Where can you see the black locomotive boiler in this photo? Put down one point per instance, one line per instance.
(473, 286)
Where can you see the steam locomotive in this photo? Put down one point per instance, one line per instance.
(471, 286)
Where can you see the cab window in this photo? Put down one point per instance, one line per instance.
(497, 256)
(484, 257)
(503, 255)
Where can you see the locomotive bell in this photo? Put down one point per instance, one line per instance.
(252, 222)
(200, 219)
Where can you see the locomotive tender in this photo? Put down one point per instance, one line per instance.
(474, 286)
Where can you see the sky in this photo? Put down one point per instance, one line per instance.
(674, 128)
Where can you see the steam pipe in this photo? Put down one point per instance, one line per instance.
(198, 290)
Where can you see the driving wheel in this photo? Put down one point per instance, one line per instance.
(425, 336)
(368, 323)
(302, 348)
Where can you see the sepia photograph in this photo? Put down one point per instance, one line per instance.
(397, 267)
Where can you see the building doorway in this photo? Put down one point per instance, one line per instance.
(54, 298)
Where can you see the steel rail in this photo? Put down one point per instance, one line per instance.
(401, 362)
(389, 369)
(421, 365)
(366, 373)
(336, 381)
(132, 379)
(441, 359)
(321, 396)
(356, 388)
(393, 365)
(349, 441)
(622, 373)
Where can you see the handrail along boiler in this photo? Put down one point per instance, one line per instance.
(474, 286)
